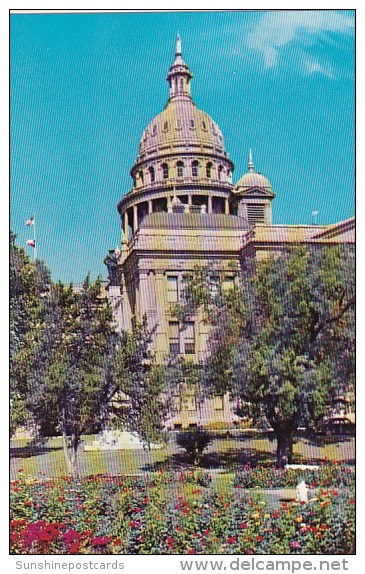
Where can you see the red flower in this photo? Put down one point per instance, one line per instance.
(133, 523)
(101, 540)
(259, 538)
(276, 514)
(170, 542)
(207, 532)
(74, 548)
(191, 551)
(243, 526)
(231, 539)
(70, 536)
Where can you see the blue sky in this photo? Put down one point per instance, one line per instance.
(84, 87)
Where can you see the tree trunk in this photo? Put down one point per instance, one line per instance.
(66, 452)
(70, 457)
(284, 449)
(74, 450)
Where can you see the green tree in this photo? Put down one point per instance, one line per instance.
(29, 284)
(136, 394)
(66, 377)
(282, 343)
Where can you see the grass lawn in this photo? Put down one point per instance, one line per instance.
(222, 454)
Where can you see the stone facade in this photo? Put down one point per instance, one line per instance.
(185, 212)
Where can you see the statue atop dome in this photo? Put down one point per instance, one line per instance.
(178, 45)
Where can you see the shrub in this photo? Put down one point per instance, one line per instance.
(194, 442)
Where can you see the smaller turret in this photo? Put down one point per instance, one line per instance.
(253, 196)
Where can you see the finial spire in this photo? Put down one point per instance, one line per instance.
(251, 167)
(178, 45)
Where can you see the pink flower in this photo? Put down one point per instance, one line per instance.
(295, 544)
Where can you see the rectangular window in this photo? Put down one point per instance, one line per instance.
(174, 338)
(218, 403)
(190, 401)
(214, 285)
(189, 338)
(172, 288)
(228, 283)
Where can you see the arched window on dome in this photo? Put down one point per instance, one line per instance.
(165, 170)
(208, 170)
(180, 169)
(141, 177)
(220, 169)
(152, 174)
(194, 168)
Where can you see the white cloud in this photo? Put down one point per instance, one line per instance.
(275, 30)
(316, 67)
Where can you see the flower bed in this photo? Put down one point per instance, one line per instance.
(331, 474)
(170, 514)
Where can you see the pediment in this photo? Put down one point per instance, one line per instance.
(256, 192)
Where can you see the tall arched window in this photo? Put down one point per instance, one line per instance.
(209, 170)
(194, 168)
(165, 170)
(152, 174)
(220, 169)
(141, 176)
(180, 169)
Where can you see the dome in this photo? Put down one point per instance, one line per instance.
(249, 180)
(181, 125)
(181, 131)
(252, 179)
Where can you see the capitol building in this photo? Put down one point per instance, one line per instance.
(184, 212)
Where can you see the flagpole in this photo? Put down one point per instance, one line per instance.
(34, 237)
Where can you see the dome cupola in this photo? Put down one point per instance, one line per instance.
(179, 76)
